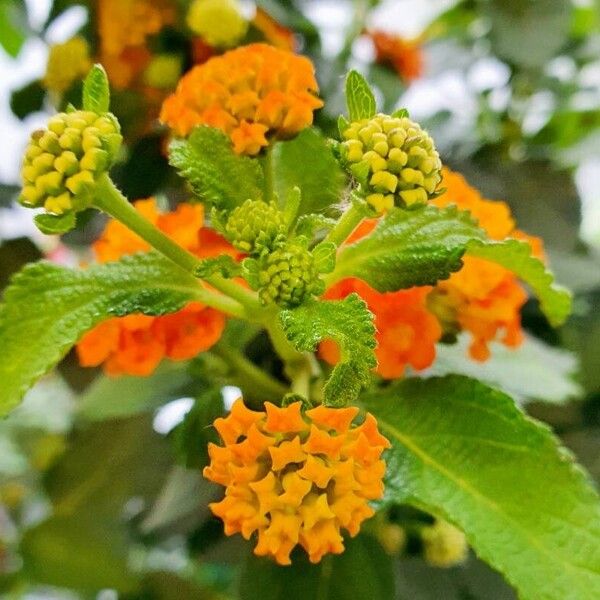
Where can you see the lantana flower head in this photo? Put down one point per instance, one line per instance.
(404, 55)
(483, 298)
(294, 478)
(67, 62)
(135, 344)
(220, 23)
(251, 93)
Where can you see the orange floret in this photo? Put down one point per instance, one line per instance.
(406, 330)
(299, 485)
(404, 56)
(250, 93)
(483, 297)
(135, 344)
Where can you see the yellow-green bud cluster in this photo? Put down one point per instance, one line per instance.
(443, 544)
(288, 276)
(394, 160)
(64, 160)
(255, 226)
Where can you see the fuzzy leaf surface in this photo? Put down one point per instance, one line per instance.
(467, 453)
(515, 255)
(359, 97)
(410, 247)
(217, 175)
(96, 93)
(47, 308)
(347, 322)
(307, 162)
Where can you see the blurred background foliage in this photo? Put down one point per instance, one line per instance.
(100, 488)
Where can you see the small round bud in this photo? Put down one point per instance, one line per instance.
(288, 276)
(443, 544)
(62, 162)
(255, 226)
(219, 22)
(392, 156)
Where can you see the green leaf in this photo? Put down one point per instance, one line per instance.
(77, 553)
(223, 265)
(410, 247)
(110, 397)
(347, 322)
(96, 93)
(308, 225)
(28, 99)
(515, 255)
(13, 26)
(308, 163)
(362, 571)
(324, 257)
(55, 224)
(217, 175)
(359, 97)
(466, 453)
(533, 371)
(528, 33)
(54, 306)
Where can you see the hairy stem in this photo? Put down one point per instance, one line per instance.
(347, 224)
(110, 200)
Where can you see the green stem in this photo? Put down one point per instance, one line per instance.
(110, 200)
(268, 172)
(261, 383)
(347, 224)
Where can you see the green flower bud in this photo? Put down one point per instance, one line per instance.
(393, 159)
(288, 276)
(255, 226)
(443, 544)
(62, 162)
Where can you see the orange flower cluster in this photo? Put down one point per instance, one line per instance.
(404, 56)
(296, 478)
(406, 331)
(136, 344)
(249, 93)
(123, 27)
(483, 298)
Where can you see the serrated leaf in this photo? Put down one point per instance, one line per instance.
(307, 162)
(467, 453)
(400, 113)
(532, 371)
(217, 175)
(55, 224)
(359, 97)
(363, 571)
(515, 255)
(410, 247)
(223, 265)
(96, 92)
(349, 324)
(308, 225)
(54, 306)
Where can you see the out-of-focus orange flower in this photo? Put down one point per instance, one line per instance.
(296, 478)
(201, 51)
(249, 93)
(483, 297)
(405, 56)
(136, 344)
(406, 331)
(123, 28)
(274, 33)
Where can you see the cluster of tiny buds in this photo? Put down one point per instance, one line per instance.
(63, 161)
(393, 159)
(288, 276)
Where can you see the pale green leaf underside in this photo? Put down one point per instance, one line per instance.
(47, 308)
(349, 323)
(467, 453)
(410, 247)
(217, 175)
(359, 97)
(515, 255)
(96, 93)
